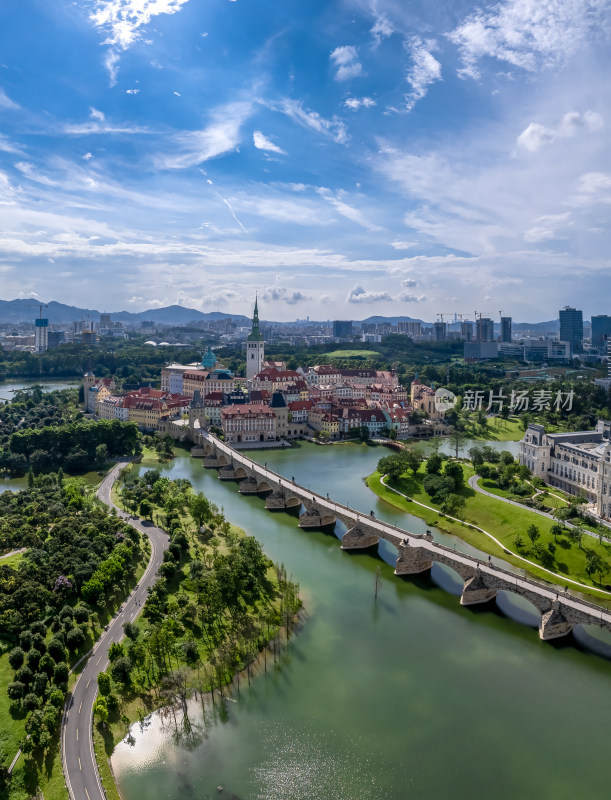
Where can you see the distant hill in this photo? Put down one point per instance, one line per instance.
(28, 310)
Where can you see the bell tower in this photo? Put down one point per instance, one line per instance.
(255, 347)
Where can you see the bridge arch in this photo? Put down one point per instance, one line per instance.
(264, 486)
(518, 607)
(240, 473)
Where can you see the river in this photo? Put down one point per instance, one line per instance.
(8, 388)
(410, 696)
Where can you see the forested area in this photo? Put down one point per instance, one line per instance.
(32, 408)
(218, 601)
(46, 431)
(47, 616)
(127, 360)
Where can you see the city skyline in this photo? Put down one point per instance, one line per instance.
(343, 159)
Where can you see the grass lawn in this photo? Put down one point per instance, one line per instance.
(499, 430)
(11, 561)
(355, 354)
(500, 519)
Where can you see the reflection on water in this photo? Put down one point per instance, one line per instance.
(407, 696)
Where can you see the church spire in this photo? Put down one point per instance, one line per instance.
(255, 333)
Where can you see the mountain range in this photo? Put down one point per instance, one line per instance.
(27, 310)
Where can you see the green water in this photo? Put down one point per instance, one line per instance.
(8, 388)
(411, 696)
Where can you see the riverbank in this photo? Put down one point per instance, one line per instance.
(499, 525)
(218, 608)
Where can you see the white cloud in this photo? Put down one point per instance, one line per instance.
(348, 211)
(6, 102)
(594, 182)
(221, 136)
(8, 147)
(123, 19)
(111, 62)
(311, 119)
(547, 226)
(132, 91)
(409, 283)
(281, 294)
(529, 34)
(94, 113)
(399, 245)
(261, 142)
(408, 297)
(359, 295)
(535, 136)
(354, 103)
(381, 29)
(346, 62)
(424, 71)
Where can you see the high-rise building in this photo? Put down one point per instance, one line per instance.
(41, 335)
(466, 331)
(484, 329)
(342, 328)
(571, 328)
(255, 347)
(601, 330)
(440, 331)
(505, 334)
(411, 327)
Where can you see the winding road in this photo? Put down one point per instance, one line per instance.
(78, 758)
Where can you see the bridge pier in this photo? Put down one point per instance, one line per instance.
(554, 624)
(315, 517)
(476, 590)
(276, 501)
(248, 486)
(412, 559)
(211, 462)
(227, 473)
(359, 537)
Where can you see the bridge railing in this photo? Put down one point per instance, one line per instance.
(537, 587)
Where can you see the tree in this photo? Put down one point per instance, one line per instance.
(132, 631)
(101, 454)
(413, 458)
(595, 565)
(457, 439)
(60, 673)
(74, 639)
(100, 709)
(576, 533)
(16, 658)
(200, 509)
(121, 670)
(104, 684)
(146, 509)
(454, 471)
(533, 533)
(434, 463)
(453, 504)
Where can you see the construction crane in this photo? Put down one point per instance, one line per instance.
(41, 306)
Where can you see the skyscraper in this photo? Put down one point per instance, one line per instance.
(41, 335)
(342, 328)
(484, 329)
(571, 328)
(601, 330)
(505, 329)
(255, 347)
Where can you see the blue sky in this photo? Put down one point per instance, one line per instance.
(342, 159)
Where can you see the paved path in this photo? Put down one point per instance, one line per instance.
(14, 553)
(473, 483)
(80, 768)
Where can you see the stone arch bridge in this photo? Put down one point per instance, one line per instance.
(560, 612)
